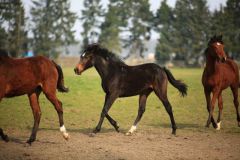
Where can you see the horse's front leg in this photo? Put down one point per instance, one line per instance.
(109, 100)
(220, 107)
(112, 122)
(211, 108)
(208, 101)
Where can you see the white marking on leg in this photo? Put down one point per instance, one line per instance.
(64, 132)
(132, 129)
(218, 125)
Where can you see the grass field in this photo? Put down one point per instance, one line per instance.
(83, 104)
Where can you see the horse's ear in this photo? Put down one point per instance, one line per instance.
(212, 38)
(220, 37)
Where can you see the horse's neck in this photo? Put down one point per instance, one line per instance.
(211, 64)
(103, 67)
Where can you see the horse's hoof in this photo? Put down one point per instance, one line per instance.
(129, 134)
(92, 134)
(215, 125)
(66, 136)
(30, 141)
(238, 124)
(96, 131)
(5, 138)
(174, 132)
(117, 128)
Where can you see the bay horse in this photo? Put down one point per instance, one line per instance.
(121, 80)
(32, 76)
(220, 73)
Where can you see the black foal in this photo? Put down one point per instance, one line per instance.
(121, 80)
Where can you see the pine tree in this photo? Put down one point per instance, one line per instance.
(163, 22)
(91, 15)
(110, 28)
(52, 26)
(137, 14)
(65, 22)
(232, 28)
(191, 29)
(13, 37)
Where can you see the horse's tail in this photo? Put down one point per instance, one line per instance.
(60, 83)
(182, 87)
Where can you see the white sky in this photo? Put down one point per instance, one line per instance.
(77, 6)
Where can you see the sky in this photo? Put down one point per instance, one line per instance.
(77, 6)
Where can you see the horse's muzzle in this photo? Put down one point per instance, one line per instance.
(77, 71)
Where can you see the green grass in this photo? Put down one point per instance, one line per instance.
(83, 104)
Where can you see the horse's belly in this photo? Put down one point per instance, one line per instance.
(12, 91)
(134, 91)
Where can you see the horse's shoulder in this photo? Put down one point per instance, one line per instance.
(232, 64)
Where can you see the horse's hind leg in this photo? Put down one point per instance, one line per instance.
(236, 102)
(163, 97)
(4, 136)
(141, 110)
(220, 106)
(33, 99)
(51, 96)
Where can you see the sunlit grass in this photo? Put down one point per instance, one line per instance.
(83, 104)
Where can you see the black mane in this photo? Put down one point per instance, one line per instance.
(96, 49)
(215, 39)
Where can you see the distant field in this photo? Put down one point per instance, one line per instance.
(83, 104)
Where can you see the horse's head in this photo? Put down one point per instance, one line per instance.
(216, 48)
(86, 59)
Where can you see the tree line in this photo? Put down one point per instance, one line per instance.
(183, 30)
(48, 28)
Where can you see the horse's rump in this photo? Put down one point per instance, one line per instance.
(24, 75)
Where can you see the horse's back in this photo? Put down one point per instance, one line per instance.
(24, 75)
(137, 79)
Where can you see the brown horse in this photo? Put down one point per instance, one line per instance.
(31, 76)
(220, 73)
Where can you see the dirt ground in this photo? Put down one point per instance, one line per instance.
(145, 144)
